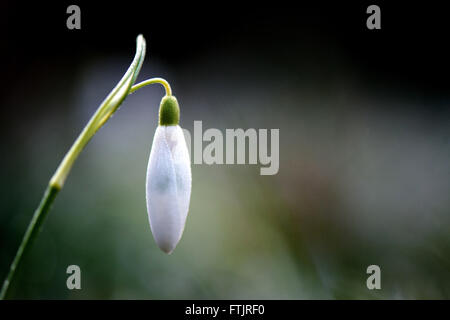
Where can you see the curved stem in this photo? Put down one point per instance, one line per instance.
(153, 81)
(103, 113)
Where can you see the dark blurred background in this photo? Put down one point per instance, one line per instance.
(364, 149)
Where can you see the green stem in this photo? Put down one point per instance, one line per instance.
(152, 81)
(103, 113)
(31, 233)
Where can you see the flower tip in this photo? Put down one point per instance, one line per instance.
(167, 247)
(169, 252)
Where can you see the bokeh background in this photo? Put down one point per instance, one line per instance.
(364, 150)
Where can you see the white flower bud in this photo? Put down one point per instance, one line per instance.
(168, 186)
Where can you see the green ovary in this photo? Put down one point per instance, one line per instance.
(169, 111)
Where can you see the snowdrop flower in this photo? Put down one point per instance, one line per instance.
(169, 178)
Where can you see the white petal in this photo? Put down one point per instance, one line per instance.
(168, 186)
